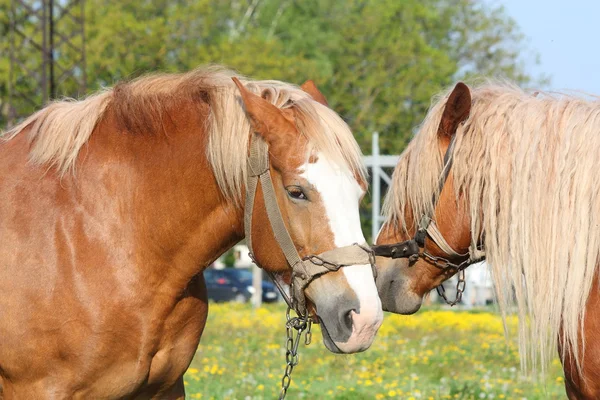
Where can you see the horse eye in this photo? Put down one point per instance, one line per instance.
(295, 193)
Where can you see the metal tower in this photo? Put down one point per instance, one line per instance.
(47, 53)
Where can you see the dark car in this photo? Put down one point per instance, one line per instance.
(236, 284)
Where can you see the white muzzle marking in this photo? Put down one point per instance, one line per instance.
(341, 194)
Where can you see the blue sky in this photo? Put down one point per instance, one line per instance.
(566, 34)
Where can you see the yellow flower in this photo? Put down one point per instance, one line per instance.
(559, 379)
(392, 393)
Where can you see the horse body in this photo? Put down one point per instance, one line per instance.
(104, 304)
(105, 233)
(520, 187)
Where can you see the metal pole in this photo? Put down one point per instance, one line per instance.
(11, 110)
(375, 169)
(52, 95)
(45, 59)
(83, 88)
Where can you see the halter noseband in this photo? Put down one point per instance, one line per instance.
(414, 248)
(304, 270)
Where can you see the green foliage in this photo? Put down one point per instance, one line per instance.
(378, 62)
(229, 259)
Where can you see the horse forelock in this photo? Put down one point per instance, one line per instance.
(525, 165)
(323, 130)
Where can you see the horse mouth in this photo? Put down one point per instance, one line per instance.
(327, 341)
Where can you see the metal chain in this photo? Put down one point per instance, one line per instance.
(443, 263)
(298, 324)
(322, 262)
(460, 289)
(331, 266)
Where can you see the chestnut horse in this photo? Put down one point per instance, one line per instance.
(113, 205)
(499, 172)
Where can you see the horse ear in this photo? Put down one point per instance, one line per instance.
(266, 119)
(310, 88)
(457, 109)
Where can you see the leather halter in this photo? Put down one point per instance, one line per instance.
(304, 270)
(414, 248)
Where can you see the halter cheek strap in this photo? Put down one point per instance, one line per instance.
(258, 170)
(304, 270)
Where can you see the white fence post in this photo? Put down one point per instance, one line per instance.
(376, 162)
(257, 285)
(375, 171)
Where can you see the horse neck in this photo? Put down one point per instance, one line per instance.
(179, 219)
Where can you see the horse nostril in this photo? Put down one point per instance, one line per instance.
(347, 321)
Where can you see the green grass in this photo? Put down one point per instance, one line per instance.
(435, 354)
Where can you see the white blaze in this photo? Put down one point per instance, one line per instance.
(341, 194)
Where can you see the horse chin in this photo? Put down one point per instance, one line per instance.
(327, 341)
(402, 302)
(396, 294)
(405, 305)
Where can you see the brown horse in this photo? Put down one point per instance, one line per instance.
(112, 207)
(511, 175)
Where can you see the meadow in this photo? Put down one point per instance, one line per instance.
(434, 354)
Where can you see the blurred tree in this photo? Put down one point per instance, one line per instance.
(4, 60)
(381, 61)
(229, 258)
(377, 61)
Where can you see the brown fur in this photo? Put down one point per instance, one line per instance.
(310, 88)
(102, 292)
(585, 384)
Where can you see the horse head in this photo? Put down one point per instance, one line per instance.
(439, 225)
(317, 199)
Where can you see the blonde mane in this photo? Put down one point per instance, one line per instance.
(527, 165)
(58, 132)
